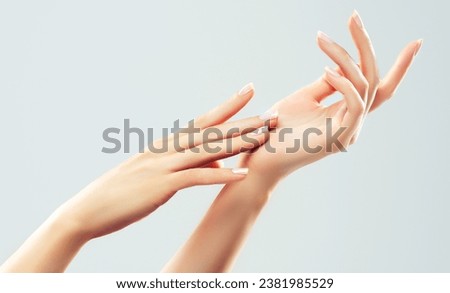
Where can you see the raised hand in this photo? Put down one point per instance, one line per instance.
(302, 115)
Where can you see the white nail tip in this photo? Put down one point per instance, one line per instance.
(268, 115)
(418, 46)
(246, 89)
(357, 19)
(242, 171)
(323, 36)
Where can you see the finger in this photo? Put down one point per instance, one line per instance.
(226, 110)
(366, 52)
(337, 110)
(216, 150)
(205, 176)
(348, 66)
(318, 90)
(227, 130)
(353, 103)
(368, 62)
(393, 78)
(345, 86)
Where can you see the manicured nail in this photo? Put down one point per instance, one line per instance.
(332, 72)
(268, 115)
(418, 46)
(260, 130)
(357, 19)
(246, 89)
(323, 36)
(242, 171)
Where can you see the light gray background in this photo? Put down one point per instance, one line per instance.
(70, 69)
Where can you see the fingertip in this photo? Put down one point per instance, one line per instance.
(260, 136)
(269, 114)
(240, 171)
(356, 19)
(419, 43)
(270, 118)
(273, 122)
(331, 72)
(220, 164)
(324, 37)
(247, 90)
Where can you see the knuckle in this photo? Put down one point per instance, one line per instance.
(359, 108)
(375, 82)
(364, 84)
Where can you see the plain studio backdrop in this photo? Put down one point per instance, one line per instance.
(70, 69)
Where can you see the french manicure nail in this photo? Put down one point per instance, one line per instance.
(268, 115)
(418, 46)
(246, 89)
(323, 36)
(357, 19)
(332, 72)
(259, 131)
(242, 171)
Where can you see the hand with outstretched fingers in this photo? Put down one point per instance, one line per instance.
(305, 133)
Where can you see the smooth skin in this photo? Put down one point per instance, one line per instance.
(217, 240)
(138, 186)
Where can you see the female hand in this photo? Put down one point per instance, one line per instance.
(302, 116)
(141, 184)
(228, 222)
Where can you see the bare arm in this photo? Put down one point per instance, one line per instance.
(215, 243)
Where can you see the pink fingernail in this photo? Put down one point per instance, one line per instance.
(418, 46)
(357, 19)
(268, 115)
(246, 89)
(323, 36)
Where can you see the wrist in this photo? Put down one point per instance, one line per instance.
(262, 178)
(254, 191)
(68, 227)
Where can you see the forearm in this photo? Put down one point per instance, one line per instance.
(218, 238)
(49, 249)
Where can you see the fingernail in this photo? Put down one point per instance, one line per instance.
(357, 19)
(268, 115)
(418, 46)
(246, 89)
(242, 171)
(332, 72)
(259, 131)
(323, 36)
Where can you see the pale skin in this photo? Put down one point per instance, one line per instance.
(148, 180)
(217, 240)
(138, 186)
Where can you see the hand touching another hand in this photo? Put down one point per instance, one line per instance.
(321, 129)
(304, 134)
(141, 184)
